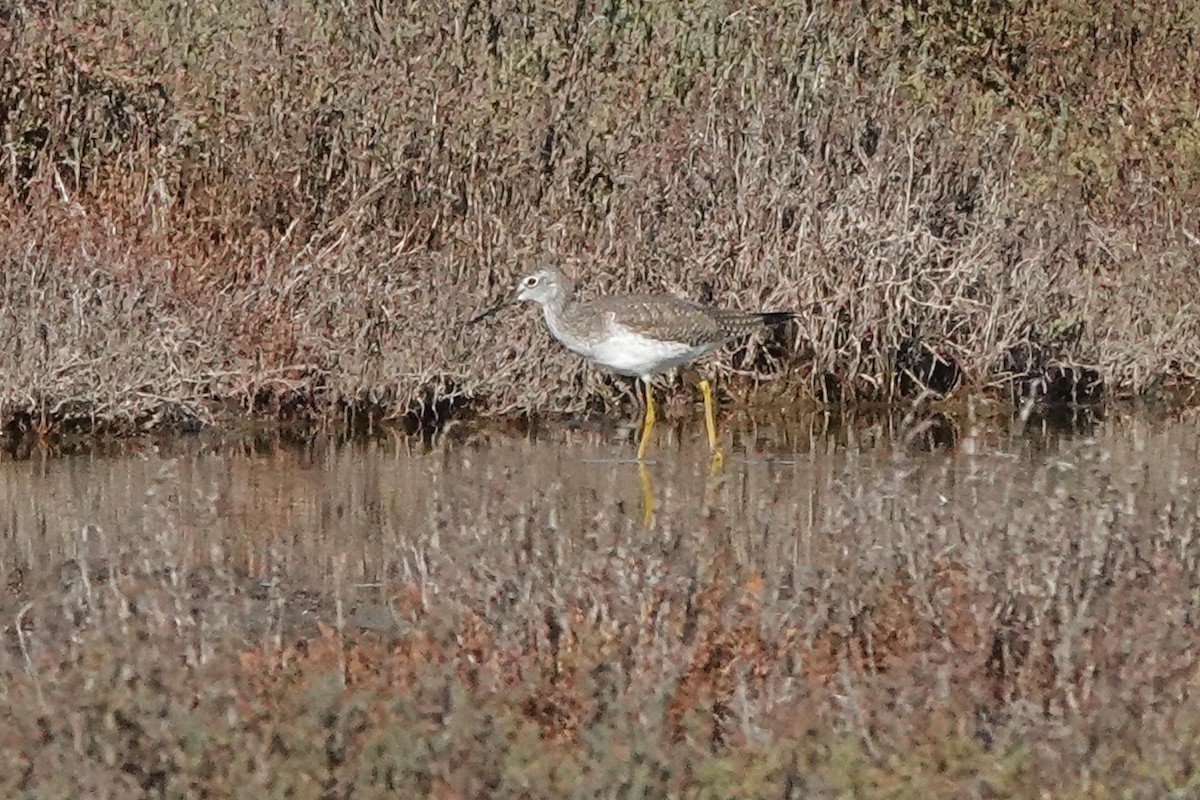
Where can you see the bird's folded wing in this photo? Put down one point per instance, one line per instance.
(668, 319)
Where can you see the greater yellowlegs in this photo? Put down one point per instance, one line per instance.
(639, 335)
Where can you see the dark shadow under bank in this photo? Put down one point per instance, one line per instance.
(921, 425)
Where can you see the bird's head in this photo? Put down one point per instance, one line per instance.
(542, 287)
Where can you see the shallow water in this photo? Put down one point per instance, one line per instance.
(489, 516)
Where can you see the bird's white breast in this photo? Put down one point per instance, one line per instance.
(629, 353)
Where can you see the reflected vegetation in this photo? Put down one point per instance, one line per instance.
(1011, 584)
(307, 522)
(278, 511)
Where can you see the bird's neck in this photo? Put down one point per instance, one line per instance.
(554, 308)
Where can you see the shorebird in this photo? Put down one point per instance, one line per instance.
(639, 335)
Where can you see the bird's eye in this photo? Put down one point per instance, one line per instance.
(531, 282)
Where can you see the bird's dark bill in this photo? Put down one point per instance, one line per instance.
(488, 313)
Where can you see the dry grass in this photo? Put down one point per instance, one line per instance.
(496, 622)
(291, 209)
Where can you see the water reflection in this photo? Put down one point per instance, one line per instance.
(316, 515)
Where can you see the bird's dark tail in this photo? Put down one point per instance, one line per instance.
(773, 318)
(735, 324)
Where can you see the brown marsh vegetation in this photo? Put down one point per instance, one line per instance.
(289, 209)
(835, 616)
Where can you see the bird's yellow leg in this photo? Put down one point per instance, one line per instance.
(710, 422)
(647, 424)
